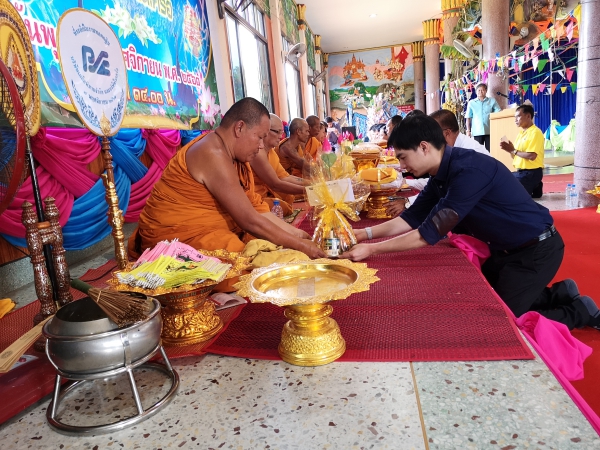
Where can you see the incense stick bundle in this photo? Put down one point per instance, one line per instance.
(122, 309)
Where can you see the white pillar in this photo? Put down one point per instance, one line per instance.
(279, 62)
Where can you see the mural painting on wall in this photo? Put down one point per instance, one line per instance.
(356, 78)
(288, 19)
(541, 10)
(310, 49)
(167, 52)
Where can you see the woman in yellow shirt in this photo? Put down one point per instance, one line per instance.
(527, 151)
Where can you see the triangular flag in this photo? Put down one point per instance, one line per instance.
(563, 89)
(507, 61)
(534, 62)
(570, 31)
(527, 48)
(553, 33)
(534, 88)
(541, 64)
(521, 61)
(553, 88)
(525, 88)
(542, 87)
(550, 55)
(545, 44)
(569, 73)
(560, 29)
(561, 73)
(573, 86)
(535, 43)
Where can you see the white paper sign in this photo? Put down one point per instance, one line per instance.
(93, 69)
(341, 190)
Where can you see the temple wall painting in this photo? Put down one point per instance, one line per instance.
(356, 78)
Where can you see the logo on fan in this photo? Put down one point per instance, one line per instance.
(92, 64)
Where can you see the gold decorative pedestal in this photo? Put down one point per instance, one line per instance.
(310, 337)
(364, 161)
(189, 317)
(376, 203)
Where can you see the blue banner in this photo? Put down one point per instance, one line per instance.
(167, 52)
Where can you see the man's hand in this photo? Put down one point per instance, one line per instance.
(361, 235)
(395, 208)
(358, 252)
(310, 249)
(507, 146)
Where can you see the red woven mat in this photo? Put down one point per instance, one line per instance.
(430, 305)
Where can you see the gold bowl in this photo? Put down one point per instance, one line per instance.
(189, 317)
(310, 337)
(364, 160)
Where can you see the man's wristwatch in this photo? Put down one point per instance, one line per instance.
(369, 233)
(514, 152)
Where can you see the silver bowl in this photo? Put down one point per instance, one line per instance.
(96, 345)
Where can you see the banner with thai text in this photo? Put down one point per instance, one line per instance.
(167, 52)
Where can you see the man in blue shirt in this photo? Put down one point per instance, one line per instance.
(481, 195)
(478, 116)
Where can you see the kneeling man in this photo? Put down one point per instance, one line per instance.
(483, 196)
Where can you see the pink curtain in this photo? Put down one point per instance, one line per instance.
(49, 187)
(140, 192)
(65, 154)
(162, 145)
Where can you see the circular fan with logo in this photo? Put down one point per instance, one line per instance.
(12, 138)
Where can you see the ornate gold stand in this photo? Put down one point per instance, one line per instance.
(310, 337)
(364, 161)
(189, 317)
(376, 203)
(304, 289)
(115, 215)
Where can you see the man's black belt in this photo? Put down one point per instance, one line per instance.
(545, 235)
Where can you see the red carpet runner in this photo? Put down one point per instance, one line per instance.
(579, 229)
(430, 305)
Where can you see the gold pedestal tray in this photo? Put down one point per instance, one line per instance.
(365, 160)
(188, 315)
(376, 203)
(310, 337)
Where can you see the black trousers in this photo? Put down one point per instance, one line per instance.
(531, 179)
(521, 278)
(484, 140)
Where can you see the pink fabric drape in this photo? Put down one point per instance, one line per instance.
(140, 192)
(65, 154)
(49, 187)
(161, 145)
(475, 250)
(565, 352)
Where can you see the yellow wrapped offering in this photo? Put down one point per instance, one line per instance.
(379, 175)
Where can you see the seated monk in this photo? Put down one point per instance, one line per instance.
(314, 143)
(206, 197)
(291, 150)
(271, 181)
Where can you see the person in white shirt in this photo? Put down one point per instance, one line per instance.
(454, 138)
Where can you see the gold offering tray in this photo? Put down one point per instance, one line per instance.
(188, 316)
(310, 337)
(309, 282)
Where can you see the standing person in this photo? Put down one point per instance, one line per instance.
(333, 131)
(478, 115)
(527, 152)
(481, 194)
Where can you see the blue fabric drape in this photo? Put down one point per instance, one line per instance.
(126, 147)
(189, 135)
(88, 222)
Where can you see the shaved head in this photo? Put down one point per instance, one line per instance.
(275, 133)
(248, 110)
(314, 125)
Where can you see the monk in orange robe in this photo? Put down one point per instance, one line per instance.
(313, 144)
(270, 178)
(206, 196)
(291, 150)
